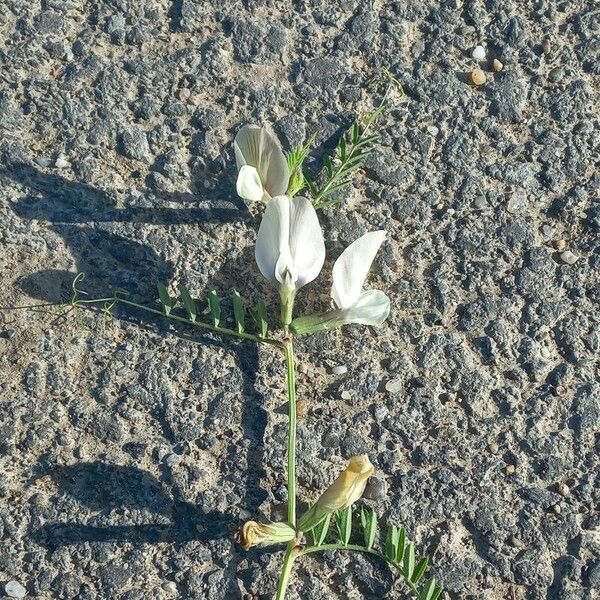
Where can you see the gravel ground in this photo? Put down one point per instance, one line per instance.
(129, 450)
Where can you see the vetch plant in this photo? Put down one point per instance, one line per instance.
(290, 253)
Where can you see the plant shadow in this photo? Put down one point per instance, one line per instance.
(103, 488)
(111, 261)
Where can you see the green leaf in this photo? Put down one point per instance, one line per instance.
(409, 561)
(391, 543)
(165, 299)
(215, 307)
(259, 315)
(319, 531)
(436, 594)
(342, 148)
(368, 519)
(428, 590)
(419, 570)
(401, 545)
(239, 311)
(343, 522)
(188, 303)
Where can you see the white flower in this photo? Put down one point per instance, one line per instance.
(262, 167)
(349, 273)
(289, 245)
(353, 305)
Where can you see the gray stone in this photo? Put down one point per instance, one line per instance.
(134, 144)
(14, 589)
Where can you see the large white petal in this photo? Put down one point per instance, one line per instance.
(249, 186)
(256, 147)
(272, 249)
(307, 247)
(351, 268)
(371, 308)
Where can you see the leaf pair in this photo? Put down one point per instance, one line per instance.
(259, 314)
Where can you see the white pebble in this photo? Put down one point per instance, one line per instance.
(394, 386)
(478, 53)
(568, 257)
(62, 162)
(346, 395)
(339, 370)
(517, 202)
(14, 589)
(170, 587)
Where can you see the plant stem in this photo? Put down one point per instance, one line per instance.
(291, 450)
(288, 562)
(198, 324)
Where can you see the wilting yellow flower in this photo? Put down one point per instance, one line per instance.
(344, 491)
(253, 534)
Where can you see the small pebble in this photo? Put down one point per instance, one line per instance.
(493, 448)
(79, 452)
(510, 469)
(375, 489)
(546, 47)
(301, 407)
(548, 231)
(497, 66)
(64, 440)
(394, 386)
(477, 77)
(42, 161)
(380, 412)
(14, 589)
(170, 587)
(560, 244)
(339, 369)
(568, 257)
(478, 53)
(62, 162)
(555, 508)
(346, 395)
(172, 459)
(563, 489)
(184, 94)
(517, 202)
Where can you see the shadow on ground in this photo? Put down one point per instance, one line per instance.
(76, 211)
(104, 487)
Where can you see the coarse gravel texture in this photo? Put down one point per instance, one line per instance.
(130, 450)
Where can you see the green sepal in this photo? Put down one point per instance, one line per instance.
(315, 323)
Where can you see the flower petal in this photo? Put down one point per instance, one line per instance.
(256, 147)
(344, 491)
(371, 308)
(307, 247)
(249, 186)
(272, 251)
(351, 268)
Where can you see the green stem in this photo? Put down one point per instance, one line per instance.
(288, 562)
(198, 324)
(291, 450)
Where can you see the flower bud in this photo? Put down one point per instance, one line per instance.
(344, 491)
(253, 534)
